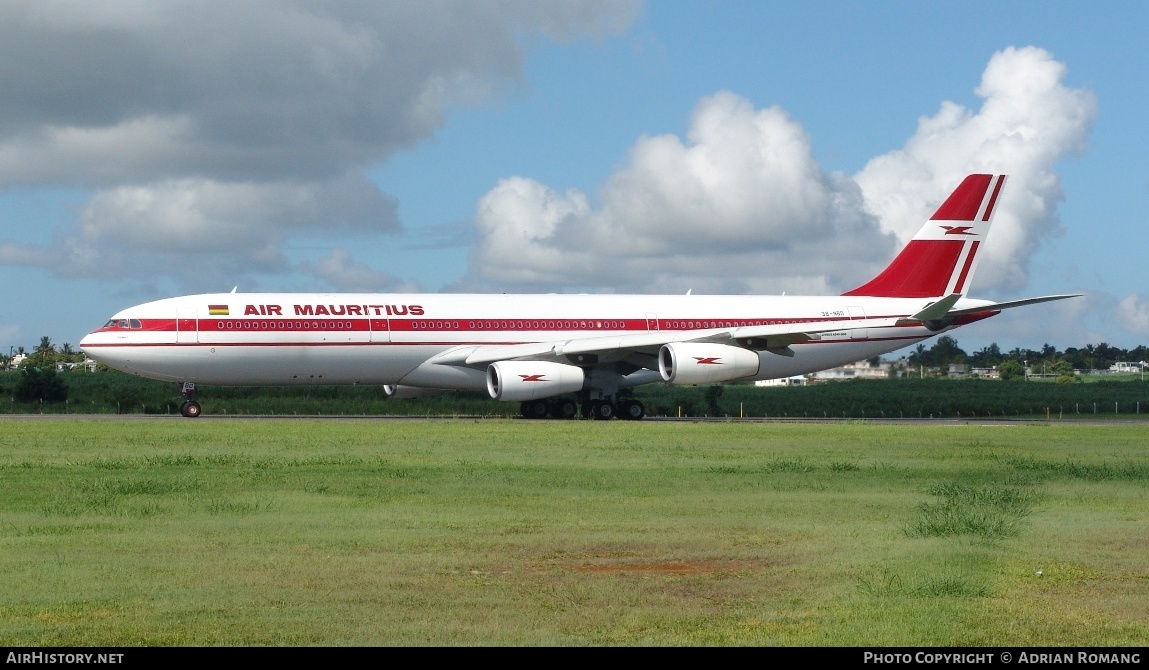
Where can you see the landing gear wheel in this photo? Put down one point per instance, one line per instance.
(601, 410)
(563, 408)
(189, 408)
(631, 410)
(534, 409)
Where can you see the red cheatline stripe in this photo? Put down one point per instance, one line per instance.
(294, 325)
(961, 321)
(993, 198)
(455, 325)
(968, 263)
(430, 344)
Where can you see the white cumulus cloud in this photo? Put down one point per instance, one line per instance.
(1029, 120)
(741, 205)
(1133, 314)
(741, 201)
(346, 274)
(214, 131)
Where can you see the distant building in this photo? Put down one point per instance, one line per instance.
(797, 380)
(87, 364)
(958, 371)
(859, 370)
(1126, 366)
(985, 373)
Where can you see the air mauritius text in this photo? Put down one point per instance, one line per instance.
(48, 657)
(332, 310)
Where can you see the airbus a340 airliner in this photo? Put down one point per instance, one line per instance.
(550, 352)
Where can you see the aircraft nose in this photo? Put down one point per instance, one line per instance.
(86, 342)
(90, 346)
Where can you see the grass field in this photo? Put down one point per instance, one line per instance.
(349, 532)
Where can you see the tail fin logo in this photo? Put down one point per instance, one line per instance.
(958, 230)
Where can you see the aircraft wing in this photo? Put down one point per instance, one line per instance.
(776, 338)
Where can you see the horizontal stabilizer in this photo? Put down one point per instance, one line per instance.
(997, 306)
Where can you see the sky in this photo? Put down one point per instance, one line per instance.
(150, 149)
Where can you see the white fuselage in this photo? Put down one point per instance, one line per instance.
(289, 339)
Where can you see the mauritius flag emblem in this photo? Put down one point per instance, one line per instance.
(217, 310)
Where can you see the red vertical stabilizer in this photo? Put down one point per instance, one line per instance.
(941, 258)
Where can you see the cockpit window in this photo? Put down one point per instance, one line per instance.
(121, 323)
(134, 323)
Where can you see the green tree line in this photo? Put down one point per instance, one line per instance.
(945, 351)
(111, 392)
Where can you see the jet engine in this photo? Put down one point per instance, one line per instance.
(532, 380)
(700, 363)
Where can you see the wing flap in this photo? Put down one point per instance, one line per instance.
(506, 352)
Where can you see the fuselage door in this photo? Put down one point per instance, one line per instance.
(858, 312)
(187, 331)
(380, 328)
(651, 321)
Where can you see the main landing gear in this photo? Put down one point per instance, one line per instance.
(598, 409)
(189, 408)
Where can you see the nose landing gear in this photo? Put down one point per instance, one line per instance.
(190, 408)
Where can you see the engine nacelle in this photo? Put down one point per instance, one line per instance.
(700, 363)
(532, 380)
(397, 391)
